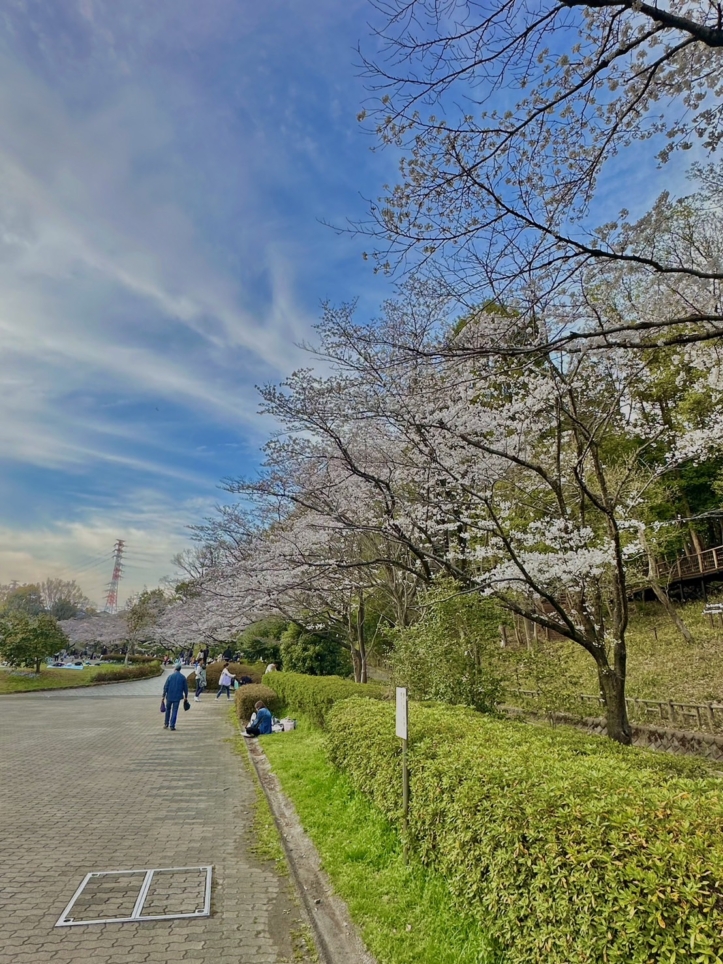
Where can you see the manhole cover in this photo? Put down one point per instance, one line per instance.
(117, 896)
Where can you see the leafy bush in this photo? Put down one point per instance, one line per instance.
(120, 658)
(568, 849)
(313, 654)
(248, 696)
(213, 673)
(450, 654)
(118, 673)
(260, 640)
(315, 695)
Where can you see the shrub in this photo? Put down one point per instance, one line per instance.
(259, 642)
(313, 654)
(118, 673)
(120, 658)
(450, 654)
(315, 695)
(213, 673)
(567, 848)
(248, 696)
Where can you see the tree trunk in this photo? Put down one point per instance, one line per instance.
(37, 664)
(662, 597)
(612, 686)
(660, 594)
(361, 639)
(356, 662)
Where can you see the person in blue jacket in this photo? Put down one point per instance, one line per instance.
(175, 689)
(262, 724)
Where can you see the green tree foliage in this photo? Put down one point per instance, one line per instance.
(313, 654)
(261, 640)
(25, 599)
(142, 616)
(63, 609)
(450, 654)
(26, 640)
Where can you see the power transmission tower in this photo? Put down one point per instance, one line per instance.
(111, 600)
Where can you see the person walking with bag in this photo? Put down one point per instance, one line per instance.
(225, 681)
(200, 682)
(175, 689)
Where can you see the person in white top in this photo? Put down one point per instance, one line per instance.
(225, 681)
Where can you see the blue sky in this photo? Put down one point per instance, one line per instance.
(164, 168)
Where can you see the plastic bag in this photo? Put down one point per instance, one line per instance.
(163, 706)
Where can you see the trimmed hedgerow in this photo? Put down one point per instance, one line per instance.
(315, 695)
(213, 673)
(567, 848)
(120, 658)
(119, 673)
(248, 696)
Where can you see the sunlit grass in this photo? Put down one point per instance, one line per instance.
(404, 913)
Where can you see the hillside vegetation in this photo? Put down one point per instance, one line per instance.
(661, 665)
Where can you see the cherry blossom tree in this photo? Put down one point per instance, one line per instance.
(508, 112)
(522, 478)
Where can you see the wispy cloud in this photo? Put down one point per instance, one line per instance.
(164, 169)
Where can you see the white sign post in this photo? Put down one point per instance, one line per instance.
(402, 724)
(403, 734)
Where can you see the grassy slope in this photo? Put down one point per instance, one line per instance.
(661, 665)
(51, 679)
(404, 913)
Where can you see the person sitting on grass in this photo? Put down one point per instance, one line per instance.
(261, 725)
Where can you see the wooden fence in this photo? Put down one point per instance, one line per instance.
(706, 717)
(688, 567)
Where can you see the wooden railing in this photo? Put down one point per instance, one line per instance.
(687, 716)
(688, 567)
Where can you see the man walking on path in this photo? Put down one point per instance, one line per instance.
(175, 689)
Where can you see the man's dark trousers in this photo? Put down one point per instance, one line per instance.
(172, 713)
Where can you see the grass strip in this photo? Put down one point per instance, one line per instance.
(15, 681)
(404, 913)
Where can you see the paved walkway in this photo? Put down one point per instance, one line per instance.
(90, 781)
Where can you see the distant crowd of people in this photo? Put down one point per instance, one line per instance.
(175, 687)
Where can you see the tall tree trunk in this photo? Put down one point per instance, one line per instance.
(356, 662)
(612, 687)
(660, 593)
(662, 597)
(361, 639)
(352, 636)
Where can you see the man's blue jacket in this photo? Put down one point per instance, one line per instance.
(176, 687)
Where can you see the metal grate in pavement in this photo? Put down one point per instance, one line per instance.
(123, 896)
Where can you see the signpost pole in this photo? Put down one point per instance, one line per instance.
(403, 734)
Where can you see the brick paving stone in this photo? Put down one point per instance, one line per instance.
(90, 781)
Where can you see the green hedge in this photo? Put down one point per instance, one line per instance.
(213, 673)
(120, 658)
(119, 673)
(569, 849)
(248, 696)
(315, 695)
